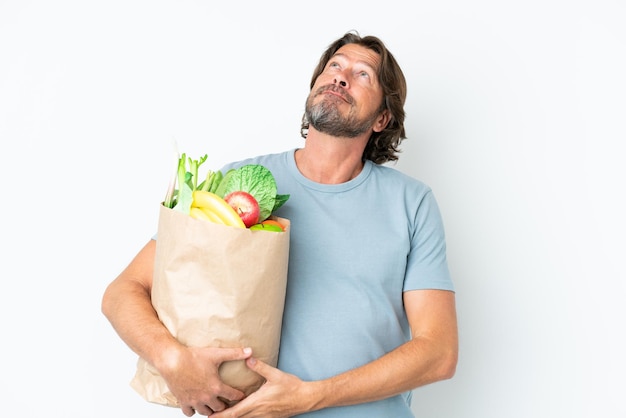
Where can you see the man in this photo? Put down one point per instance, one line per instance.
(370, 310)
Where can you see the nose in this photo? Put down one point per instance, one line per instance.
(341, 81)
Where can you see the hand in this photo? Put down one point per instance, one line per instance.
(282, 395)
(192, 376)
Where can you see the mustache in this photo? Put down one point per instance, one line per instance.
(336, 89)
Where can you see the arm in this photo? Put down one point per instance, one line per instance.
(190, 373)
(431, 355)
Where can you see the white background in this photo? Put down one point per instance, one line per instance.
(515, 117)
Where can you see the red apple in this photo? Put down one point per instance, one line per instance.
(245, 205)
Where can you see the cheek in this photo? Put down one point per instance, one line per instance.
(316, 85)
(319, 83)
(374, 101)
(324, 79)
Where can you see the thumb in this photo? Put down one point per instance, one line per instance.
(229, 354)
(259, 367)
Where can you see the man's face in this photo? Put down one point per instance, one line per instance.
(346, 97)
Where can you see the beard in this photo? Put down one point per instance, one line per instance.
(325, 117)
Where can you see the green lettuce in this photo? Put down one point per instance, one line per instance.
(259, 182)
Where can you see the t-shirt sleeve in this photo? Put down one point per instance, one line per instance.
(427, 265)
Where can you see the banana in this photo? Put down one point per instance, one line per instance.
(211, 215)
(205, 215)
(210, 202)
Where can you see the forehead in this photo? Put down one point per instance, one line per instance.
(359, 54)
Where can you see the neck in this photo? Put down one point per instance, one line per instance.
(330, 160)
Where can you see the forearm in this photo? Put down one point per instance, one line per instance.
(416, 363)
(430, 356)
(127, 305)
(129, 310)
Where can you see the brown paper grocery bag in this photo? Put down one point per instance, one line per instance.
(218, 286)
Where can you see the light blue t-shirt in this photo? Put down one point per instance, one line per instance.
(355, 248)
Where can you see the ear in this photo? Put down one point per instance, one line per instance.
(382, 121)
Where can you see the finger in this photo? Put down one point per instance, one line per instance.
(230, 394)
(259, 367)
(188, 410)
(205, 410)
(232, 411)
(229, 354)
(217, 405)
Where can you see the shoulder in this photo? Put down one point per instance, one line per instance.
(397, 180)
(272, 161)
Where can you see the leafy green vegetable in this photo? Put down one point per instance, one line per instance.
(212, 181)
(221, 188)
(280, 200)
(171, 187)
(187, 183)
(217, 179)
(259, 182)
(252, 178)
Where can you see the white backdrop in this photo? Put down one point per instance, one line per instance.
(515, 114)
